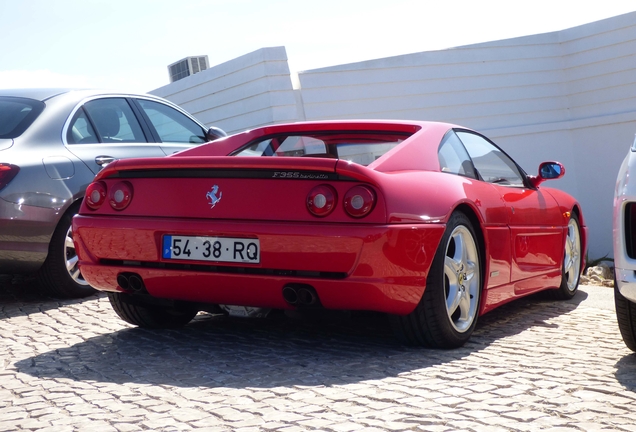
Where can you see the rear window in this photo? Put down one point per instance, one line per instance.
(359, 147)
(17, 114)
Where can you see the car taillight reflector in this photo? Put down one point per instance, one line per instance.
(321, 200)
(7, 172)
(359, 201)
(121, 195)
(95, 195)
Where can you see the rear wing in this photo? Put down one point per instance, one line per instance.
(297, 168)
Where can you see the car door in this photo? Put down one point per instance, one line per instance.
(105, 129)
(171, 128)
(454, 159)
(534, 218)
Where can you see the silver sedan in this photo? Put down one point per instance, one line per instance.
(52, 143)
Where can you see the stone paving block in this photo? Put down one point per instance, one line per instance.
(164, 424)
(57, 429)
(287, 417)
(291, 429)
(127, 427)
(449, 401)
(434, 428)
(188, 415)
(311, 409)
(316, 423)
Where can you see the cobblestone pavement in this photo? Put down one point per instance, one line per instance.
(534, 364)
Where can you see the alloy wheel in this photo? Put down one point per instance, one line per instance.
(72, 259)
(572, 259)
(461, 270)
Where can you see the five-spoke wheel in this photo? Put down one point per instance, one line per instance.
(447, 313)
(461, 270)
(571, 269)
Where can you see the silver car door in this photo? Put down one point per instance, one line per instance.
(106, 129)
(174, 130)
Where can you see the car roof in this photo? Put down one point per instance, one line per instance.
(40, 94)
(43, 94)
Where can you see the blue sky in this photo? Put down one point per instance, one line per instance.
(127, 44)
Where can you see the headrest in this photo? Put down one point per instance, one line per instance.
(106, 120)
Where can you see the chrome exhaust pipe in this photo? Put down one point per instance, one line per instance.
(307, 296)
(131, 282)
(300, 295)
(290, 294)
(122, 281)
(136, 283)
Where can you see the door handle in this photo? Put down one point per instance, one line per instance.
(103, 160)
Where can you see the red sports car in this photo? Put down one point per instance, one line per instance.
(428, 222)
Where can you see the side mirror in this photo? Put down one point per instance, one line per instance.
(547, 171)
(214, 133)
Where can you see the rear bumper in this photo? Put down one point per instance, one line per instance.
(626, 283)
(25, 233)
(351, 266)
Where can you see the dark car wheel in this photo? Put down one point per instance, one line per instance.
(571, 268)
(135, 312)
(626, 317)
(447, 313)
(59, 276)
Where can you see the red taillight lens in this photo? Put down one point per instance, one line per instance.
(321, 200)
(7, 172)
(95, 195)
(359, 201)
(121, 195)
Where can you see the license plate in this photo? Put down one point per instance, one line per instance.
(220, 249)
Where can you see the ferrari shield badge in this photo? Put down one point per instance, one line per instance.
(212, 197)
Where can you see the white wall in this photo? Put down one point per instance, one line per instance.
(567, 96)
(249, 91)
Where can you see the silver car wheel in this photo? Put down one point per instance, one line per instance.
(461, 271)
(72, 259)
(572, 259)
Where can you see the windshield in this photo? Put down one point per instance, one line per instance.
(359, 147)
(17, 114)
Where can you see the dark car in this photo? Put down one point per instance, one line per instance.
(52, 143)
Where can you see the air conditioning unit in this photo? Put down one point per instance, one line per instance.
(186, 67)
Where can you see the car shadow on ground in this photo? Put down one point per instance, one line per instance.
(22, 293)
(328, 350)
(626, 372)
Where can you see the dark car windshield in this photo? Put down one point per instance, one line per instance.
(359, 147)
(17, 114)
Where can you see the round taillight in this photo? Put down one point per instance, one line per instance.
(321, 200)
(95, 195)
(121, 195)
(359, 201)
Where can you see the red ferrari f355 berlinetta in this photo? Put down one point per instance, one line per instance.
(431, 223)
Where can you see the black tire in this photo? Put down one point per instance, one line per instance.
(433, 323)
(571, 266)
(626, 317)
(59, 276)
(135, 312)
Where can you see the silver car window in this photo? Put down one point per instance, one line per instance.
(17, 114)
(171, 125)
(80, 131)
(108, 120)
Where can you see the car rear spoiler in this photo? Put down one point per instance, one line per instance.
(280, 167)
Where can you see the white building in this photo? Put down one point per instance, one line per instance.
(568, 96)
